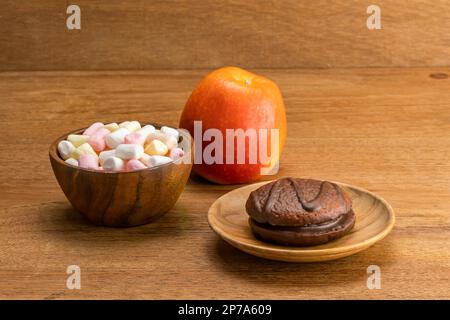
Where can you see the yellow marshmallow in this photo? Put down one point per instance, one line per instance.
(132, 126)
(85, 148)
(77, 139)
(156, 148)
(169, 140)
(112, 126)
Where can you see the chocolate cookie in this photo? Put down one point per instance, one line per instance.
(297, 202)
(305, 236)
(300, 212)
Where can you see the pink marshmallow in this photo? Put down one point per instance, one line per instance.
(94, 127)
(134, 165)
(176, 153)
(97, 139)
(134, 138)
(88, 161)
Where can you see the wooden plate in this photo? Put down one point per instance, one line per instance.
(374, 220)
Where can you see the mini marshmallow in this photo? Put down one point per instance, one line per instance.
(65, 149)
(117, 137)
(176, 153)
(155, 135)
(94, 127)
(134, 164)
(105, 155)
(85, 148)
(72, 162)
(168, 140)
(153, 161)
(156, 147)
(129, 151)
(132, 126)
(145, 158)
(88, 161)
(134, 138)
(77, 139)
(122, 147)
(170, 131)
(112, 126)
(113, 164)
(171, 142)
(97, 140)
(146, 130)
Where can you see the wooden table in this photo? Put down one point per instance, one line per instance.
(386, 130)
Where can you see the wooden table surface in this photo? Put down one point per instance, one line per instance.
(386, 130)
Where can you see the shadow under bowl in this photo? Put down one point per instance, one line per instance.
(122, 199)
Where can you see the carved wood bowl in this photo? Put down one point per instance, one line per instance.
(122, 199)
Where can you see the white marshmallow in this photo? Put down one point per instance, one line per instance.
(153, 161)
(132, 126)
(155, 135)
(171, 142)
(113, 164)
(65, 149)
(146, 130)
(105, 155)
(170, 131)
(129, 151)
(72, 162)
(117, 137)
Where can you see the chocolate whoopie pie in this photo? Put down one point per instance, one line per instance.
(300, 212)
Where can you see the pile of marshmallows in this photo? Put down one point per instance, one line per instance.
(121, 147)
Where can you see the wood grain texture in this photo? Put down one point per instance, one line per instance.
(386, 130)
(190, 34)
(122, 199)
(375, 218)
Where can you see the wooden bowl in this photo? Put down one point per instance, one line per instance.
(374, 220)
(121, 199)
